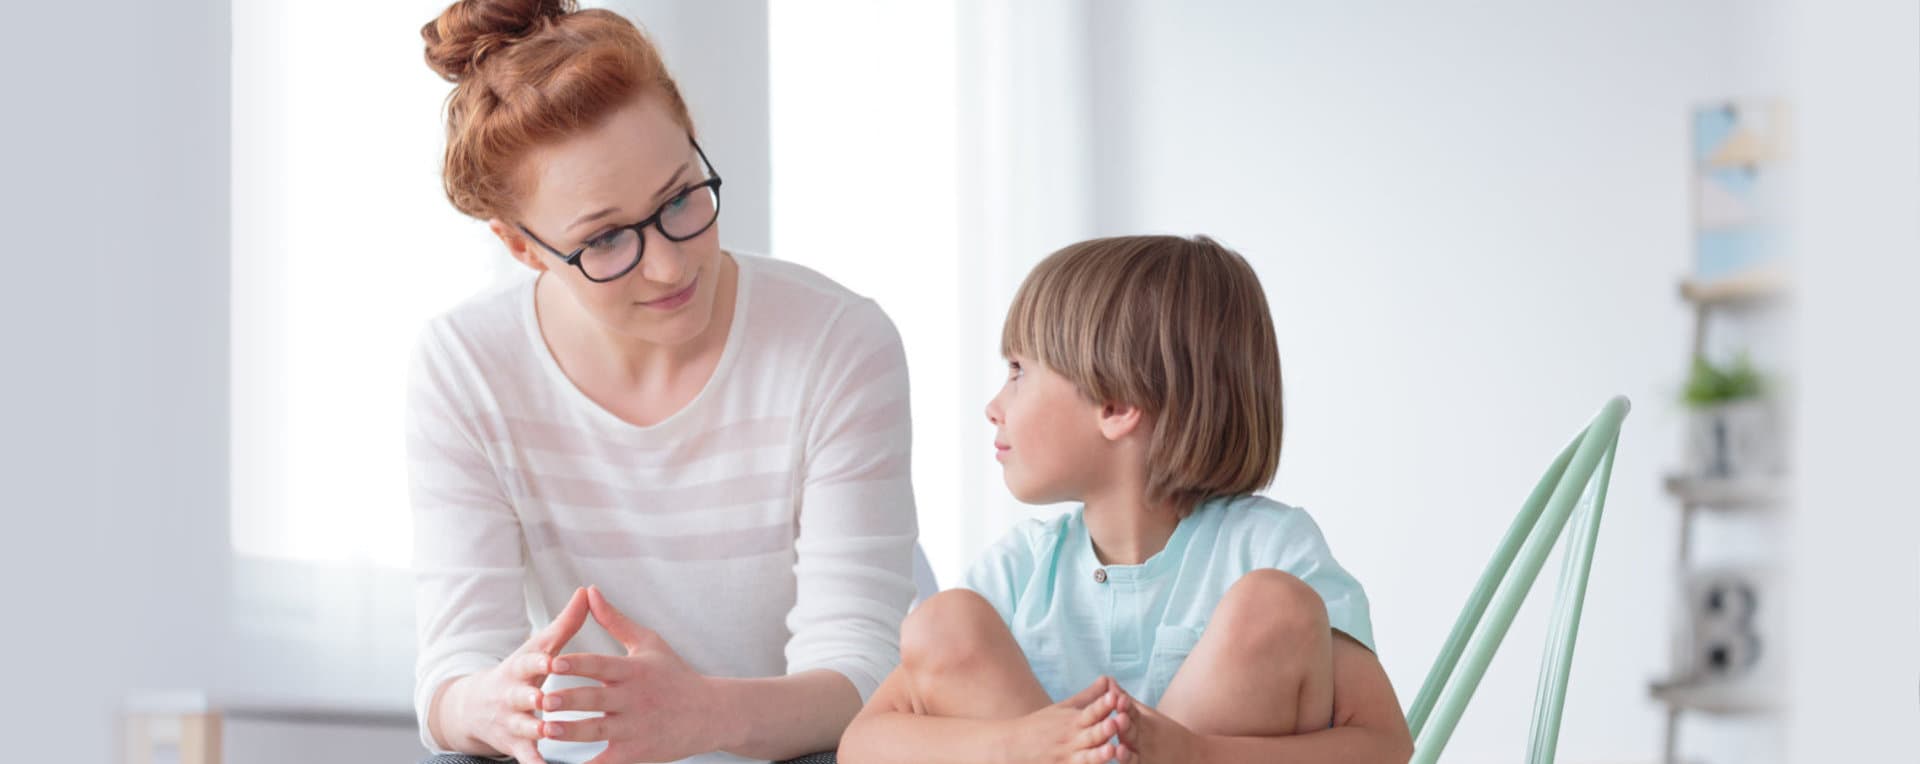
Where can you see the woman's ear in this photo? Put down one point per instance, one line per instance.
(1118, 420)
(518, 245)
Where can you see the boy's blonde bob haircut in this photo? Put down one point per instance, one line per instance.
(1177, 327)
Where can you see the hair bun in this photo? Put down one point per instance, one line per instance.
(468, 30)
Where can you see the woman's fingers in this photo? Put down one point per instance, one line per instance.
(530, 667)
(554, 637)
(630, 635)
(606, 668)
(523, 698)
(578, 699)
(590, 730)
(524, 726)
(525, 752)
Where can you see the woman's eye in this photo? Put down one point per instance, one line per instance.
(678, 201)
(603, 241)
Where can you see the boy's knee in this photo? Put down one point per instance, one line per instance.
(1268, 607)
(948, 631)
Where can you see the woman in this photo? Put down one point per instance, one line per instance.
(717, 443)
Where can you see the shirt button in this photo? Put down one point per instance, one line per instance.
(1099, 575)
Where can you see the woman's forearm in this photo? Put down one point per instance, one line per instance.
(900, 737)
(783, 717)
(1340, 745)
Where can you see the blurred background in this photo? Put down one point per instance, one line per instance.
(1474, 222)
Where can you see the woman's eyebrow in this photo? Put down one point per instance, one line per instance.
(670, 181)
(597, 214)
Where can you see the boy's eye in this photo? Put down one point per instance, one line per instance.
(1013, 370)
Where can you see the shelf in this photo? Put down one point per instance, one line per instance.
(1725, 698)
(1728, 493)
(1760, 286)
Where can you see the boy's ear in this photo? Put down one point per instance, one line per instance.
(517, 245)
(1118, 420)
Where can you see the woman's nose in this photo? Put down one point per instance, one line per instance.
(661, 261)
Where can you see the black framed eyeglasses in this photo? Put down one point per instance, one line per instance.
(610, 255)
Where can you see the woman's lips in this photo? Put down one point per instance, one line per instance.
(676, 299)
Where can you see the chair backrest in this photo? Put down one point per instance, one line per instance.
(1575, 487)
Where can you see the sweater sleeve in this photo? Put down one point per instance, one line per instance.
(469, 595)
(854, 548)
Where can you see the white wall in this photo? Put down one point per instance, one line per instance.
(1856, 539)
(717, 52)
(114, 385)
(1470, 220)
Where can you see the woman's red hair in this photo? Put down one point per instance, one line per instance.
(528, 73)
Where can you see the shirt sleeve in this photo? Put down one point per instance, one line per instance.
(1002, 570)
(468, 566)
(1302, 551)
(854, 549)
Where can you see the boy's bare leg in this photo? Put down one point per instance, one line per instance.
(1264, 665)
(961, 661)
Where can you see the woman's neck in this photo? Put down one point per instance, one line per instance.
(1126, 528)
(631, 363)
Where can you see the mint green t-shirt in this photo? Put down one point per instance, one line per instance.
(1077, 619)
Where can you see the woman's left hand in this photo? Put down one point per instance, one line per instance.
(657, 708)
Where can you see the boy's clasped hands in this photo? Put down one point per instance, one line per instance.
(1101, 723)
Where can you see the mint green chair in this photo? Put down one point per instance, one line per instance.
(1575, 488)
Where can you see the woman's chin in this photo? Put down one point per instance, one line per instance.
(678, 328)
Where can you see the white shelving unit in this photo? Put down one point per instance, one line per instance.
(1686, 691)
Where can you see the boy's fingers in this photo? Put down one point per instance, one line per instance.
(1089, 695)
(1096, 710)
(1099, 755)
(1126, 728)
(1093, 736)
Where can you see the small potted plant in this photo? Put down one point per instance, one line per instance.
(1735, 429)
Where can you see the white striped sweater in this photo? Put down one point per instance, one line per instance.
(766, 528)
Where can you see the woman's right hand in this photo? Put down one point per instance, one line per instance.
(1074, 731)
(493, 712)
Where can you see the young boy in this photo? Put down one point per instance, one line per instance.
(1174, 617)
